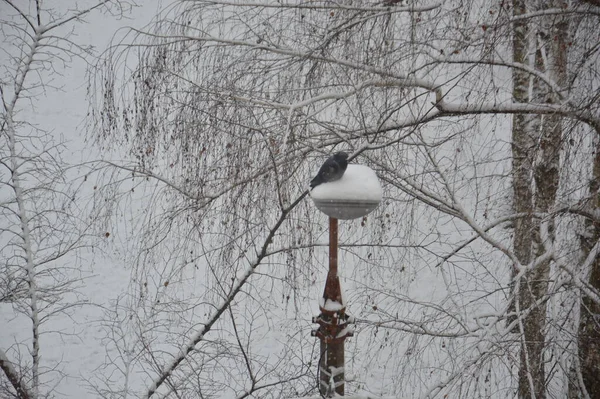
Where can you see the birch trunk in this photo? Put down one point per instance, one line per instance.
(522, 161)
(16, 162)
(589, 328)
(550, 58)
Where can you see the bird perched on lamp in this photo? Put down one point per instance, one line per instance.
(333, 169)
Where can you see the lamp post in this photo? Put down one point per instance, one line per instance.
(334, 324)
(353, 196)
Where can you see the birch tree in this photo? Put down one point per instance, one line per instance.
(478, 117)
(586, 366)
(536, 158)
(43, 224)
(585, 378)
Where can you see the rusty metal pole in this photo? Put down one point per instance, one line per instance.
(333, 324)
(333, 289)
(335, 350)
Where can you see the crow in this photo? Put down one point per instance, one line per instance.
(333, 169)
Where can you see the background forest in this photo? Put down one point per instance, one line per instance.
(157, 240)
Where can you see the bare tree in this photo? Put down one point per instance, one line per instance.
(44, 222)
(465, 278)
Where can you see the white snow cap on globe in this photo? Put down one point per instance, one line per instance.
(355, 195)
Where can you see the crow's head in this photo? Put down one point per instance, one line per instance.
(340, 156)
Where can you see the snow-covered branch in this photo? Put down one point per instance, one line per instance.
(518, 108)
(320, 5)
(14, 377)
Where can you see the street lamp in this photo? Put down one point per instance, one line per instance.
(355, 195)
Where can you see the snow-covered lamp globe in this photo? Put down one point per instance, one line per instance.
(355, 195)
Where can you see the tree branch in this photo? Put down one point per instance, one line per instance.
(13, 376)
(199, 336)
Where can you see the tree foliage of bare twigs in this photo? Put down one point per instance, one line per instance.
(465, 282)
(43, 219)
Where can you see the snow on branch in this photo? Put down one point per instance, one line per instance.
(556, 11)
(516, 108)
(14, 377)
(326, 5)
(498, 62)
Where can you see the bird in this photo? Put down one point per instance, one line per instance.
(332, 169)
